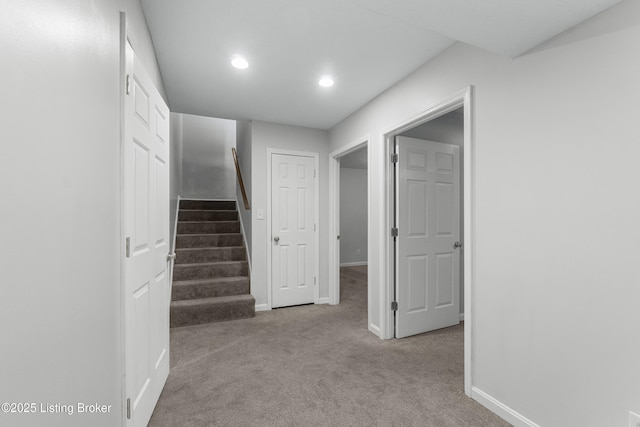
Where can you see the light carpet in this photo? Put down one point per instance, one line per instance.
(316, 365)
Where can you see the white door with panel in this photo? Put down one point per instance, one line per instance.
(146, 230)
(427, 246)
(293, 230)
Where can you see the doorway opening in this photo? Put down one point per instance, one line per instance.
(448, 126)
(353, 230)
(349, 222)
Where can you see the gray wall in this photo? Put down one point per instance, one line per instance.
(60, 174)
(270, 135)
(353, 216)
(556, 208)
(448, 129)
(208, 171)
(243, 147)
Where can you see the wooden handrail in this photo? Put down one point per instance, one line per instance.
(240, 181)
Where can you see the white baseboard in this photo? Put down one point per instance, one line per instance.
(262, 307)
(500, 409)
(375, 329)
(353, 264)
(323, 300)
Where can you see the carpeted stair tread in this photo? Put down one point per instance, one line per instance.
(210, 254)
(211, 281)
(208, 227)
(234, 222)
(208, 240)
(218, 205)
(211, 264)
(207, 215)
(209, 288)
(205, 270)
(207, 310)
(212, 301)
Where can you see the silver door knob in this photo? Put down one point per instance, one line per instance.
(171, 257)
(457, 245)
(276, 239)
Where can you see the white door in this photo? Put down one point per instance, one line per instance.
(428, 222)
(146, 230)
(293, 235)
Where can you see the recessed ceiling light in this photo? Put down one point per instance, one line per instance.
(239, 62)
(325, 81)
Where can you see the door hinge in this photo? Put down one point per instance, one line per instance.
(314, 173)
(127, 89)
(314, 280)
(129, 408)
(394, 232)
(314, 226)
(394, 305)
(128, 246)
(394, 157)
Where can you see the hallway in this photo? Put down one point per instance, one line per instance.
(316, 365)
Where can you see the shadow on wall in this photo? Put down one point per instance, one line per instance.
(208, 170)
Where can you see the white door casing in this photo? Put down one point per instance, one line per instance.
(146, 231)
(428, 222)
(293, 240)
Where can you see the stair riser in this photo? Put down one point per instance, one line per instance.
(208, 205)
(193, 256)
(208, 227)
(185, 316)
(207, 215)
(187, 241)
(193, 272)
(210, 291)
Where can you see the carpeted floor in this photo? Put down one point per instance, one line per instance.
(316, 365)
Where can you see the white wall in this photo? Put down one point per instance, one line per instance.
(353, 216)
(270, 135)
(60, 224)
(175, 169)
(556, 292)
(243, 148)
(208, 171)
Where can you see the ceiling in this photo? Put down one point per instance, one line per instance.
(366, 45)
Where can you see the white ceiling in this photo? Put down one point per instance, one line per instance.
(367, 45)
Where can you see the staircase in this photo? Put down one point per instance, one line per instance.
(211, 273)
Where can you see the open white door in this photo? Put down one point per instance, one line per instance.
(146, 228)
(293, 229)
(428, 222)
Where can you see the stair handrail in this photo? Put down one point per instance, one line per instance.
(245, 200)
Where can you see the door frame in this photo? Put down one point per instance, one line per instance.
(334, 213)
(459, 99)
(316, 213)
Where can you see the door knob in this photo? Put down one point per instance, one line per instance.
(171, 257)
(457, 245)
(276, 239)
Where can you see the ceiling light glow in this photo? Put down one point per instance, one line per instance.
(325, 81)
(239, 62)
